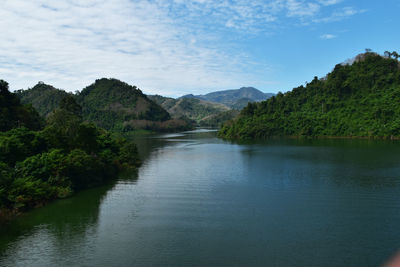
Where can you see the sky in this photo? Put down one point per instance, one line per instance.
(177, 47)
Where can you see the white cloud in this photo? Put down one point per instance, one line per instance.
(329, 2)
(70, 44)
(340, 14)
(302, 8)
(328, 36)
(163, 46)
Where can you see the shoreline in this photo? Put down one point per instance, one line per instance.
(321, 137)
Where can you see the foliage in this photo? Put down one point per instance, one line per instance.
(359, 99)
(13, 113)
(67, 155)
(44, 98)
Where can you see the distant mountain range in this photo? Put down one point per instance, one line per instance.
(234, 98)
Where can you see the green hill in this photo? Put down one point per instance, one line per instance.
(109, 103)
(360, 99)
(43, 97)
(115, 105)
(200, 111)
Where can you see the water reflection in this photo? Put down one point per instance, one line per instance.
(54, 227)
(200, 201)
(367, 163)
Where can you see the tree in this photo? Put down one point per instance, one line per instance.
(13, 114)
(395, 55)
(387, 54)
(69, 104)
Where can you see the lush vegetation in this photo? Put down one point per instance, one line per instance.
(110, 104)
(359, 99)
(200, 112)
(13, 113)
(67, 154)
(44, 98)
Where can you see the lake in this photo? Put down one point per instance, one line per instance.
(200, 201)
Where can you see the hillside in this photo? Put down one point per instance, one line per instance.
(359, 99)
(116, 105)
(234, 98)
(109, 103)
(200, 111)
(43, 97)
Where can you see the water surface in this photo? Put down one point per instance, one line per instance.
(200, 201)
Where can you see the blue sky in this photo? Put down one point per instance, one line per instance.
(176, 47)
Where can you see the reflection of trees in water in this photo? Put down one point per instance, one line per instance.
(61, 222)
(59, 226)
(367, 163)
(63, 227)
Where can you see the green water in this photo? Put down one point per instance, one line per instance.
(200, 201)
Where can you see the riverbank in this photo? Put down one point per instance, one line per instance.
(391, 138)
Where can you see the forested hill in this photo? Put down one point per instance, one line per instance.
(234, 98)
(113, 104)
(110, 103)
(43, 97)
(360, 99)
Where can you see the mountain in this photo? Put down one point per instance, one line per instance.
(235, 98)
(109, 103)
(43, 97)
(360, 99)
(116, 105)
(193, 109)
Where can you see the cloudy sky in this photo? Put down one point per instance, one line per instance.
(175, 47)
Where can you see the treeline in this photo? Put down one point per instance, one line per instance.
(358, 99)
(45, 160)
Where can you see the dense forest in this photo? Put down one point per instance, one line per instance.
(108, 103)
(359, 98)
(45, 160)
(43, 97)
